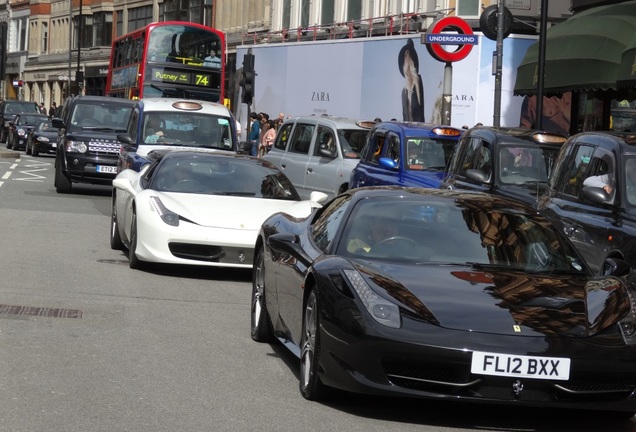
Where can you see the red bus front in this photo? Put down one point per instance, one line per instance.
(169, 59)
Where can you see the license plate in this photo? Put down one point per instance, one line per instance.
(106, 169)
(496, 364)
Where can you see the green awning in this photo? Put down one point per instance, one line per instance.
(583, 52)
(627, 68)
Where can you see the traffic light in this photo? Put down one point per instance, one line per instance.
(247, 81)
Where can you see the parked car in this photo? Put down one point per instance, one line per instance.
(199, 208)
(464, 296)
(88, 148)
(9, 109)
(511, 162)
(600, 219)
(405, 154)
(164, 123)
(318, 153)
(20, 127)
(42, 139)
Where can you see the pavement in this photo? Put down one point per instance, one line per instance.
(9, 154)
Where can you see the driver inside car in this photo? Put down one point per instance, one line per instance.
(381, 228)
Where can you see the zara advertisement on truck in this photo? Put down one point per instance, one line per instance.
(364, 79)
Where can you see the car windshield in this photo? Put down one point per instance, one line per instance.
(437, 230)
(221, 175)
(100, 117)
(426, 153)
(20, 107)
(192, 130)
(30, 119)
(630, 181)
(521, 165)
(352, 141)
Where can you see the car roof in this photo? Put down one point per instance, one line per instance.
(183, 105)
(517, 135)
(109, 99)
(416, 128)
(608, 139)
(333, 121)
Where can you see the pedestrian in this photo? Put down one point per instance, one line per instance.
(42, 108)
(268, 138)
(52, 110)
(254, 132)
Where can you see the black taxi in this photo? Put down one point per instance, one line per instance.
(511, 162)
(591, 196)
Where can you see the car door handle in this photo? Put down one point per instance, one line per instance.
(310, 169)
(283, 166)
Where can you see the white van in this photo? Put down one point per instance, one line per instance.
(177, 124)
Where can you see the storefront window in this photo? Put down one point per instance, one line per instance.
(623, 115)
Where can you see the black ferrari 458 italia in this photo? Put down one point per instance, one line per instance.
(444, 294)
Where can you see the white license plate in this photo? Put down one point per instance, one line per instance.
(107, 169)
(496, 364)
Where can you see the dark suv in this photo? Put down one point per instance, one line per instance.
(591, 196)
(511, 162)
(9, 109)
(87, 148)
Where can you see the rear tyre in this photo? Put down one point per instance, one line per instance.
(310, 385)
(115, 238)
(133, 261)
(62, 183)
(261, 327)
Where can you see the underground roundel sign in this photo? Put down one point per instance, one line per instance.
(464, 39)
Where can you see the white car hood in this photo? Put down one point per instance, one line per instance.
(228, 211)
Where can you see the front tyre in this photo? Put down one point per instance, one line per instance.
(115, 238)
(133, 261)
(310, 385)
(62, 183)
(260, 325)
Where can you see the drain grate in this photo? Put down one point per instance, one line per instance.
(40, 311)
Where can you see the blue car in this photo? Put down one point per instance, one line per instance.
(405, 154)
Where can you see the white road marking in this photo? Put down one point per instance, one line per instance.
(6, 175)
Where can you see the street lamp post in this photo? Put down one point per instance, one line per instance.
(79, 78)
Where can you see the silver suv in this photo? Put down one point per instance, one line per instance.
(318, 153)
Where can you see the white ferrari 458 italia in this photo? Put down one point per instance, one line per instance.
(199, 208)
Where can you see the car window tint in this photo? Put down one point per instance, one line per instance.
(393, 148)
(630, 180)
(301, 139)
(376, 145)
(576, 172)
(326, 140)
(282, 137)
(324, 229)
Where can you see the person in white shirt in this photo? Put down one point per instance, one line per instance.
(212, 61)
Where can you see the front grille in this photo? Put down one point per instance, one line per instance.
(212, 253)
(104, 146)
(427, 376)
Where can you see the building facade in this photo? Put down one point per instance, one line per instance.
(44, 35)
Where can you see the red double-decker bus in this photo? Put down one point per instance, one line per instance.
(168, 59)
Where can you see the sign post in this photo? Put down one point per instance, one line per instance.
(435, 40)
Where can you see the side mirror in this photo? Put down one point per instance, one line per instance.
(596, 195)
(244, 147)
(57, 123)
(616, 267)
(388, 163)
(478, 176)
(326, 151)
(318, 197)
(124, 184)
(125, 138)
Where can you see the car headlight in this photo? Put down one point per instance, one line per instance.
(42, 139)
(22, 132)
(75, 146)
(383, 311)
(168, 216)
